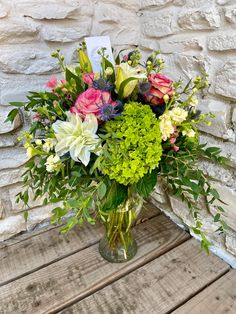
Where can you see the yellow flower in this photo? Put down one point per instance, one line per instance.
(166, 126)
(125, 71)
(178, 115)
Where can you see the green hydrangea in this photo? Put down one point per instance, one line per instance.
(134, 146)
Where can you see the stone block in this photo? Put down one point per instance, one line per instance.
(27, 60)
(146, 4)
(133, 5)
(220, 124)
(230, 243)
(187, 66)
(226, 80)
(234, 118)
(200, 19)
(191, 4)
(159, 195)
(39, 215)
(11, 226)
(68, 31)
(46, 10)
(7, 140)
(6, 127)
(108, 21)
(158, 25)
(3, 10)
(225, 175)
(12, 157)
(223, 2)
(18, 31)
(181, 45)
(10, 176)
(17, 88)
(222, 42)
(230, 14)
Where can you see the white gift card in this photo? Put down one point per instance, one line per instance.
(93, 45)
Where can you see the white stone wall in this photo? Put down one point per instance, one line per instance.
(192, 35)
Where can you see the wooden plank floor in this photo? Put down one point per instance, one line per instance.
(49, 273)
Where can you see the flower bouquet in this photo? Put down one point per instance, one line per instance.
(99, 141)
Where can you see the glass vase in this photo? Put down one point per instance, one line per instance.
(118, 244)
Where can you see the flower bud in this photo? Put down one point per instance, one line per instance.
(166, 98)
(38, 142)
(85, 63)
(109, 71)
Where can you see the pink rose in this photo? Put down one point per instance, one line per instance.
(88, 78)
(91, 101)
(160, 86)
(53, 82)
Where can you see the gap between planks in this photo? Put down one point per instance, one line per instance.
(75, 277)
(44, 249)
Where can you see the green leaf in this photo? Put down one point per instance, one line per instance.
(146, 184)
(17, 104)
(123, 84)
(214, 193)
(101, 191)
(11, 115)
(69, 225)
(116, 195)
(73, 203)
(217, 217)
(69, 76)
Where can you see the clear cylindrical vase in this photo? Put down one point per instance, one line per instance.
(118, 244)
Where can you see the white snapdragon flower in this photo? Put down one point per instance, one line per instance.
(53, 163)
(49, 144)
(166, 126)
(38, 142)
(77, 137)
(193, 101)
(178, 115)
(189, 133)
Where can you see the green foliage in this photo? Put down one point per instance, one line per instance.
(183, 176)
(147, 183)
(117, 194)
(133, 147)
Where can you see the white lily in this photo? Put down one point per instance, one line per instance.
(125, 71)
(77, 137)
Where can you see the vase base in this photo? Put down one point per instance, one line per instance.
(118, 254)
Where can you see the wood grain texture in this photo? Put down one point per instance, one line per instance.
(218, 298)
(44, 248)
(81, 274)
(157, 287)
